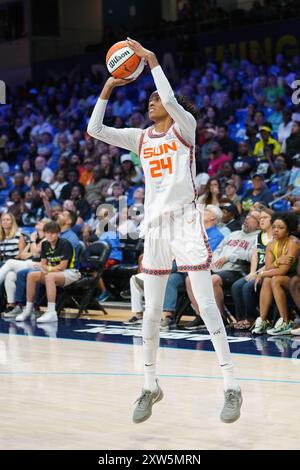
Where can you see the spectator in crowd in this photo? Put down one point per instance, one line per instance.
(244, 163)
(94, 189)
(131, 174)
(56, 269)
(228, 258)
(280, 262)
(231, 194)
(121, 107)
(280, 179)
(86, 175)
(285, 127)
(228, 145)
(216, 159)
(29, 258)
(59, 182)
(41, 166)
(291, 146)
(243, 293)
(212, 193)
(229, 218)
(83, 209)
(72, 180)
(211, 221)
(294, 288)
(266, 140)
(259, 193)
(12, 242)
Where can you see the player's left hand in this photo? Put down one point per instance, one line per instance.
(138, 49)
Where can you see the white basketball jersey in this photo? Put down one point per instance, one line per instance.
(169, 168)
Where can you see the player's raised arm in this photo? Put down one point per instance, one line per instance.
(124, 138)
(183, 118)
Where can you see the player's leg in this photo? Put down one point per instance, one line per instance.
(204, 294)
(157, 262)
(33, 278)
(154, 289)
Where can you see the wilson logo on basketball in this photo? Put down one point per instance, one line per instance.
(117, 58)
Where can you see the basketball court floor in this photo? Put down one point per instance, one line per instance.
(72, 385)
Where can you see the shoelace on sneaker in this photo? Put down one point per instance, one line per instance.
(230, 399)
(142, 400)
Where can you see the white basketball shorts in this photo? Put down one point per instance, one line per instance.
(178, 235)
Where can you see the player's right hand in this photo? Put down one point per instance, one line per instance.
(113, 82)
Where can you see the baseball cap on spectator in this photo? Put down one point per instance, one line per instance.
(230, 183)
(265, 128)
(230, 207)
(254, 175)
(126, 158)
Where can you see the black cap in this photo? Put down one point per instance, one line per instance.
(258, 174)
(229, 207)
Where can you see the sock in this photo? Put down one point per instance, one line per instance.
(154, 288)
(203, 293)
(28, 307)
(230, 383)
(51, 307)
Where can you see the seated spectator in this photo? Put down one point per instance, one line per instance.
(126, 227)
(251, 138)
(106, 167)
(280, 262)
(231, 194)
(227, 262)
(115, 257)
(229, 218)
(259, 193)
(83, 209)
(117, 194)
(56, 269)
(266, 140)
(216, 158)
(86, 175)
(243, 293)
(95, 189)
(72, 180)
(294, 288)
(294, 181)
(41, 166)
(121, 106)
(212, 193)
(273, 91)
(227, 173)
(16, 205)
(19, 183)
(29, 259)
(244, 163)
(280, 179)
(211, 220)
(66, 221)
(131, 174)
(59, 182)
(36, 182)
(175, 281)
(228, 145)
(285, 128)
(12, 242)
(87, 235)
(291, 146)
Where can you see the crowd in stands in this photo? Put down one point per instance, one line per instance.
(248, 169)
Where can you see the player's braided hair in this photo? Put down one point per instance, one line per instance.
(188, 106)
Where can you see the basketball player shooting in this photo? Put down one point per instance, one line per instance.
(173, 225)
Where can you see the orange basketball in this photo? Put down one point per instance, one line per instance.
(122, 62)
